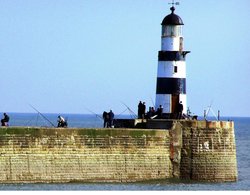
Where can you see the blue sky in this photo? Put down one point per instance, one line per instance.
(63, 56)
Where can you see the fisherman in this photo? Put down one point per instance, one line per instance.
(105, 117)
(152, 111)
(149, 113)
(143, 111)
(159, 112)
(140, 107)
(111, 119)
(5, 120)
(61, 122)
(179, 110)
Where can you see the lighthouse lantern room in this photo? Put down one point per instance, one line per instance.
(171, 73)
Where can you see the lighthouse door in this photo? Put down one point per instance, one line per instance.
(175, 101)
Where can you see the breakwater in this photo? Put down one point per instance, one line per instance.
(196, 150)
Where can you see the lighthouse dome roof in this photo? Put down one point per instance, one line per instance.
(172, 19)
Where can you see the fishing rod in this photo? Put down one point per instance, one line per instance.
(214, 114)
(42, 115)
(133, 114)
(207, 111)
(94, 113)
(122, 113)
(153, 104)
(210, 109)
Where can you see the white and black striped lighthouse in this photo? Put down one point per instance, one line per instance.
(171, 74)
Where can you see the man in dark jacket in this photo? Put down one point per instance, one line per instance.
(5, 120)
(105, 117)
(180, 109)
(111, 119)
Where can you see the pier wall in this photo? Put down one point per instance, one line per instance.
(188, 149)
(208, 151)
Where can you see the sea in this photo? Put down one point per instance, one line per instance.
(242, 133)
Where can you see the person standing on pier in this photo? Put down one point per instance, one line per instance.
(179, 110)
(105, 117)
(111, 119)
(159, 112)
(143, 110)
(140, 105)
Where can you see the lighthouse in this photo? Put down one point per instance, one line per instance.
(171, 73)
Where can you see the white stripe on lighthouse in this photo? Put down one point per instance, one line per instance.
(170, 43)
(171, 69)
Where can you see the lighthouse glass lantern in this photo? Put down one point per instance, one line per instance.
(171, 73)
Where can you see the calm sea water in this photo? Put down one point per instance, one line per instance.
(242, 132)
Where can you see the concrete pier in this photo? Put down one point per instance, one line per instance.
(195, 150)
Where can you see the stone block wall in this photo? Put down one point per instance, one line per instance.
(208, 151)
(29, 155)
(196, 150)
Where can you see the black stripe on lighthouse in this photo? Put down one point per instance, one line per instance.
(171, 86)
(172, 55)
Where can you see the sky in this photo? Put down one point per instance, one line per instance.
(82, 56)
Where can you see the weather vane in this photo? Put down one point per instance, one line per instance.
(174, 3)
